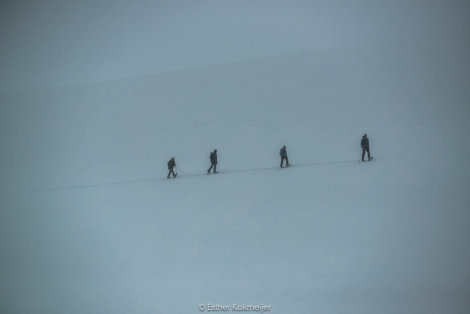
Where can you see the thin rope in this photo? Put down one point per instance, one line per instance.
(185, 174)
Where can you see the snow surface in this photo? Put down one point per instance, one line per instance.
(90, 224)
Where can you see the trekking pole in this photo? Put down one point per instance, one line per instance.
(360, 156)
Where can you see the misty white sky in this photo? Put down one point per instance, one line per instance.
(54, 43)
(83, 228)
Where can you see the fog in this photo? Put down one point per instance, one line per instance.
(96, 96)
(56, 43)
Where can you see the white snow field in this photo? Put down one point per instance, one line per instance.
(90, 224)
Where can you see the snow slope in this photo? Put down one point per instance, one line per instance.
(89, 224)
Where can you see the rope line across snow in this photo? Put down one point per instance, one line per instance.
(183, 174)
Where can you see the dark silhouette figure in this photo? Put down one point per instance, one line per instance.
(365, 147)
(213, 159)
(171, 165)
(283, 154)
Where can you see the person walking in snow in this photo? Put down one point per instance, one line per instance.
(213, 159)
(283, 154)
(171, 165)
(365, 147)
